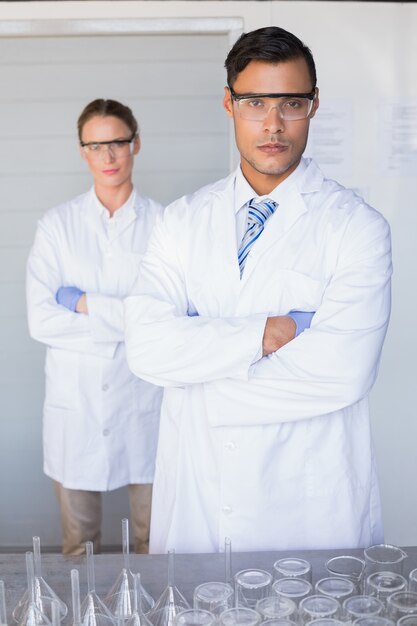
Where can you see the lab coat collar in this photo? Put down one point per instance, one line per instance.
(307, 178)
(99, 219)
(125, 212)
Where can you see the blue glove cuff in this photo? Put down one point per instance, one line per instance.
(302, 320)
(68, 297)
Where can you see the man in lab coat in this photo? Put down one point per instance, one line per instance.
(265, 434)
(100, 422)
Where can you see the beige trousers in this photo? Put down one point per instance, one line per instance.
(81, 518)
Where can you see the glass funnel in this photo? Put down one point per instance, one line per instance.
(171, 601)
(137, 618)
(120, 599)
(93, 611)
(44, 594)
(33, 611)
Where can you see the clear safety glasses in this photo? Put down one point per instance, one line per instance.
(117, 148)
(255, 107)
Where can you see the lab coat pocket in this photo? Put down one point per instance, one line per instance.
(293, 291)
(61, 373)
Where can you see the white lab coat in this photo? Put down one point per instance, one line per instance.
(100, 422)
(275, 454)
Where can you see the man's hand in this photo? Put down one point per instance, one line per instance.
(278, 331)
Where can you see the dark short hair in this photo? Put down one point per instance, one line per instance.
(271, 44)
(107, 108)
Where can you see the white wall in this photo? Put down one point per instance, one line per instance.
(366, 55)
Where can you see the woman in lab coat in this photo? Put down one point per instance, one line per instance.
(100, 422)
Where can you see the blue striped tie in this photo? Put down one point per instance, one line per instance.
(257, 215)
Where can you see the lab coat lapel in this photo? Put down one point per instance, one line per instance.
(225, 278)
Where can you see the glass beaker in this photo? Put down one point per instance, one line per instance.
(240, 616)
(374, 620)
(383, 584)
(277, 607)
(348, 567)
(325, 621)
(334, 587)
(412, 580)
(194, 617)
(294, 588)
(362, 606)
(407, 620)
(401, 603)
(292, 567)
(279, 622)
(315, 607)
(252, 585)
(215, 597)
(384, 557)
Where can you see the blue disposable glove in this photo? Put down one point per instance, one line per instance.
(68, 297)
(302, 320)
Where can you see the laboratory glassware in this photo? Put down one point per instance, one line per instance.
(383, 584)
(93, 610)
(277, 607)
(292, 567)
(318, 606)
(195, 617)
(119, 600)
(34, 611)
(216, 596)
(171, 601)
(384, 557)
(362, 606)
(401, 603)
(335, 587)
(348, 567)
(412, 580)
(44, 594)
(138, 618)
(294, 588)
(3, 613)
(252, 585)
(239, 616)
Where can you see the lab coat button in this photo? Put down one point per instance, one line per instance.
(230, 445)
(106, 432)
(227, 510)
(105, 387)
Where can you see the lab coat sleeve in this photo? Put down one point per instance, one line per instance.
(167, 346)
(333, 364)
(105, 315)
(49, 322)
